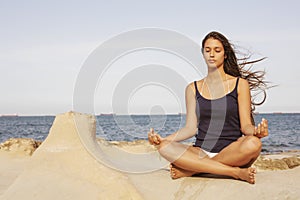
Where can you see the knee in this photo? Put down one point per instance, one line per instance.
(170, 149)
(162, 147)
(252, 145)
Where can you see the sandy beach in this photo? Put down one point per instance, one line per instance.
(73, 164)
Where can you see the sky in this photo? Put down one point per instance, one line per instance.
(46, 44)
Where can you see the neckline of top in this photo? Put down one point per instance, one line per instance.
(228, 93)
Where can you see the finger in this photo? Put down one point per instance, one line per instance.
(150, 137)
(158, 139)
(150, 140)
(153, 137)
(154, 140)
(150, 133)
(151, 130)
(262, 128)
(258, 129)
(265, 125)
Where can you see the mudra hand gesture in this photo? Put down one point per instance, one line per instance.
(154, 138)
(261, 130)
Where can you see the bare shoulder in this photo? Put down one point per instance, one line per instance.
(243, 85)
(191, 86)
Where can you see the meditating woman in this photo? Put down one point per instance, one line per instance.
(219, 112)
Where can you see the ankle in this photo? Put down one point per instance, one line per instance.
(236, 173)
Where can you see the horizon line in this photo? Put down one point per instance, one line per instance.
(127, 114)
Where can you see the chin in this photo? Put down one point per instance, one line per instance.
(212, 66)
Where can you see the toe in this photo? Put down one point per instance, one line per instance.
(253, 170)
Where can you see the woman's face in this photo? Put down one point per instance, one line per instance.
(213, 53)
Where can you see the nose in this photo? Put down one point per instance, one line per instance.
(211, 54)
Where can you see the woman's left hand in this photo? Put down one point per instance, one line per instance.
(262, 129)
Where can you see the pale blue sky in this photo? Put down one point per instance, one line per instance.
(45, 43)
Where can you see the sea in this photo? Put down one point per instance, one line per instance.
(284, 128)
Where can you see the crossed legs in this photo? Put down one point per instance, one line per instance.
(234, 160)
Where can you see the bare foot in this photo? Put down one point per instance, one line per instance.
(177, 172)
(247, 174)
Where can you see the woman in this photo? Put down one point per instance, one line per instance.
(219, 110)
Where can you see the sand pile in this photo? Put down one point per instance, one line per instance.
(61, 168)
(20, 145)
(265, 163)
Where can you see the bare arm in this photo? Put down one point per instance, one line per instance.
(190, 128)
(244, 99)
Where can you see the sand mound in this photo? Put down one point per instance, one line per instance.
(24, 146)
(265, 163)
(61, 168)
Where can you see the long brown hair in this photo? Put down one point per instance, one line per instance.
(241, 67)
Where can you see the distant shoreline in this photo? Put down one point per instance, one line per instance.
(135, 114)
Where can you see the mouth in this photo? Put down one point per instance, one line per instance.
(211, 61)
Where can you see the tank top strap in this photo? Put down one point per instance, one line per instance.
(237, 83)
(196, 88)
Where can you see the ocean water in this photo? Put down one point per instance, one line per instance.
(284, 129)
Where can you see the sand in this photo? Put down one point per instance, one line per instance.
(73, 164)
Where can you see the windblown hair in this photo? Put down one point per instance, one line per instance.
(241, 67)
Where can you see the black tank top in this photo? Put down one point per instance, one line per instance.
(219, 121)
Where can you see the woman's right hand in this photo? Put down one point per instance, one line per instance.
(154, 138)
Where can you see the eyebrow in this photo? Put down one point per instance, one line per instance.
(213, 48)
